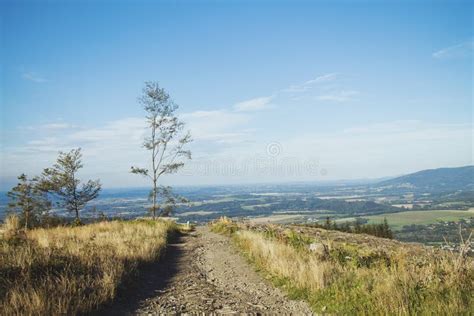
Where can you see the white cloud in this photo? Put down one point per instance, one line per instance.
(386, 148)
(53, 126)
(108, 150)
(56, 126)
(323, 78)
(32, 76)
(310, 83)
(128, 130)
(339, 96)
(368, 151)
(256, 104)
(221, 126)
(460, 50)
(46, 144)
(294, 93)
(111, 149)
(223, 140)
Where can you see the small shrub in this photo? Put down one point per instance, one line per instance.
(297, 240)
(186, 228)
(224, 225)
(50, 221)
(11, 227)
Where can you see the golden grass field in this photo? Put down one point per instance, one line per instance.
(357, 274)
(71, 270)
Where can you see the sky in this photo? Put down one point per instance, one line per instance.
(272, 91)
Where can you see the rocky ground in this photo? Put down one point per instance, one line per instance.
(202, 273)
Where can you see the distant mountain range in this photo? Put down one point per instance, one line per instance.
(442, 179)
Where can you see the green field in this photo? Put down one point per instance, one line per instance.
(252, 207)
(398, 220)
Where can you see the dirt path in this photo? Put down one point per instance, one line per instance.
(203, 273)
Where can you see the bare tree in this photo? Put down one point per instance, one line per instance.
(166, 144)
(62, 181)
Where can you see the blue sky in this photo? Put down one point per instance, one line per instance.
(271, 90)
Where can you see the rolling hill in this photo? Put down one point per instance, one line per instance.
(442, 179)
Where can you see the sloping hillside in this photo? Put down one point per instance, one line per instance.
(342, 273)
(442, 179)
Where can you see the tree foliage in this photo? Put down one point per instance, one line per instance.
(28, 200)
(380, 230)
(166, 144)
(61, 180)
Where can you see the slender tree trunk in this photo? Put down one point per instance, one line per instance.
(27, 215)
(153, 160)
(154, 200)
(76, 208)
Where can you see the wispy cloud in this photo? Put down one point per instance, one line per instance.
(53, 137)
(310, 83)
(323, 88)
(224, 133)
(116, 145)
(224, 139)
(126, 135)
(323, 78)
(355, 151)
(53, 126)
(56, 126)
(256, 104)
(112, 147)
(32, 76)
(339, 96)
(220, 126)
(460, 50)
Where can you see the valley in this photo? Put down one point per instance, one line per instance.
(403, 202)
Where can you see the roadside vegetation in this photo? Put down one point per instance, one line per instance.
(345, 273)
(73, 270)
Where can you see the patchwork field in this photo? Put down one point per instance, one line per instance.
(280, 219)
(398, 220)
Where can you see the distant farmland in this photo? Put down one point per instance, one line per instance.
(398, 220)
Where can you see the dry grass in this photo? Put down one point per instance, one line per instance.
(186, 228)
(286, 261)
(224, 225)
(69, 270)
(354, 278)
(11, 227)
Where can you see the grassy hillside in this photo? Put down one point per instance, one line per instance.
(356, 274)
(71, 270)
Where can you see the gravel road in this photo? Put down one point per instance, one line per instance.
(203, 273)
